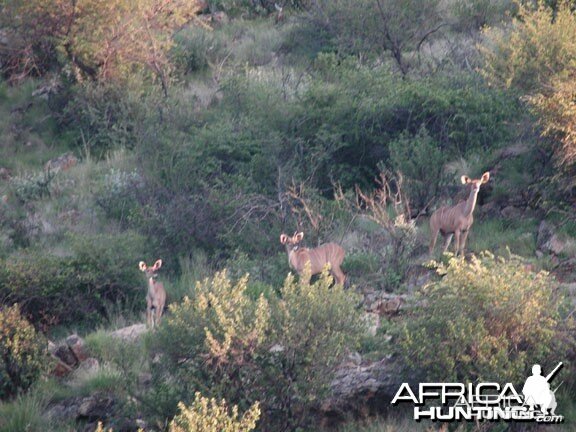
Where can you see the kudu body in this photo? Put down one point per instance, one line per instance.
(156, 296)
(329, 253)
(456, 221)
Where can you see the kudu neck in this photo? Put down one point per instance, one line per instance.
(471, 202)
(151, 282)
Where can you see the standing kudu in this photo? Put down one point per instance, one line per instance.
(329, 253)
(456, 220)
(156, 296)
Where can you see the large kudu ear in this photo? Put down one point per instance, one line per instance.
(142, 266)
(465, 179)
(485, 177)
(283, 238)
(157, 265)
(298, 237)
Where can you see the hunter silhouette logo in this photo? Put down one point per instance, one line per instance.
(537, 391)
(485, 400)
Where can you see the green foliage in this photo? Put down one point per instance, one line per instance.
(24, 413)
(120, 196)
(473, 16)
(487, 319)
(94, 42)
(393, 27)
(64, 289)
(280, 352)
(208, 415)
(31, 187)
(536, 58)
(104, 116)
(420, 161)
(23, 353)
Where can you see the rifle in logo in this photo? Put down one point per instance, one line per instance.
(537, 390)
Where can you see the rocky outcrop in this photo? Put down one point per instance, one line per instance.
(361, 390)
(69, 355)
(61, 163)
(130, 333)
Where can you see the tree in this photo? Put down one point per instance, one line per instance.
(98, 39)
(536, 56)
(395, 27)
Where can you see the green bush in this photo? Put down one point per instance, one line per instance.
(98, 270)
(23, 353)
(105, 116)
(121, 196)
(279, 352)
(421, 162)
(487, 319)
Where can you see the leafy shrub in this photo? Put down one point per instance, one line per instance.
(23, 353)
(540, 39)
(208, 415)
(280, 352)
(121, 196)
(421, 162)
(31, 187)
(61, 289)
(105, 116)
(487, 319)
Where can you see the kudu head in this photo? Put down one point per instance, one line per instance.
(293, 242)
(150, 271)
(476, 183)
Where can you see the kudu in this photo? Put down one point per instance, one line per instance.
(456, 220)
(329, 253)
(156, 296)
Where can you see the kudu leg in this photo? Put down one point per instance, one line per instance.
(457, 242)
(463, 241)
(158, 311)
(447, 241)
(338, 275)
(149, 317)
(433, 241)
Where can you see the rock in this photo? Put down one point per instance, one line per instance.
(130, 333)
(5, 174)
(144, 379)
(61, 369)
(220, 18)
(95, 407)
(511, 212)
(372, 320)
(276, 348)
(356, 389)
(545, 231)
(548, 241)
(419, 276)
(61, 163)
(555, 245)
(383, 303)
(63, 411)
(77, 346)
(88, 367)
(66, 356)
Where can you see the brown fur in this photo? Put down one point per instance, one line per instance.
(456, 220)
(329, 253)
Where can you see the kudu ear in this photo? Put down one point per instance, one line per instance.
(142, 266)
(298, 237)
(465, 179)
(485, 177)
(283, 238)
(157, 265)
